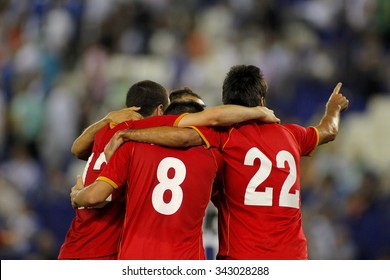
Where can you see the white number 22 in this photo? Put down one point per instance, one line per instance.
(264, 198)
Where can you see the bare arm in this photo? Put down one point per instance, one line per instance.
(115, 142)
(91, 196)
(82, 146)
(328, 127)
(162, 135)
(225, 115)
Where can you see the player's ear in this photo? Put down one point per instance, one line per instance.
(262, 101)
(160, 110)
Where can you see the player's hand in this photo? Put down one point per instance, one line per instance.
(269, 115)
(124, 115)
(113, 145)
(337, 101)
(125, 134)
(75, 190)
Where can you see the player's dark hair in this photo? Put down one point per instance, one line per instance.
(185, 94)
(179, 93)
(148, 95)
(180, 107)
(244, 85)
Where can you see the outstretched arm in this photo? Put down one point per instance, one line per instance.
(328, 127)
(225, 115)
(82, 146)
(161, 135)
(222, 115)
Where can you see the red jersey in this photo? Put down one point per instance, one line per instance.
(95, 232)
(259, 203)
(168, 191)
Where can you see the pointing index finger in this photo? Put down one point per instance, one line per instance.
(337, 88)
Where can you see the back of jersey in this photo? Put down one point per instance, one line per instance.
(260, 215)
(95, 232)
(167, 196)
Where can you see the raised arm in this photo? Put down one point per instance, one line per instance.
(225, 115)
(82, 146)
(328, 127)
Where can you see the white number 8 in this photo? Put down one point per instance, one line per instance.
(172, 184)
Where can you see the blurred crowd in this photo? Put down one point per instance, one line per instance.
(66, 63)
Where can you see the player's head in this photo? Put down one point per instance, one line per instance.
(180, 107)
(244, 85)
(150, 96)
(185, 94)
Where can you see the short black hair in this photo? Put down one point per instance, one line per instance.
(180, 107)
(185, 94)
(178, 93)
(244, 85)
(148, 95)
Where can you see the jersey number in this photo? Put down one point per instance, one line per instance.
(171, 184)
(97, 166)
(264, 198)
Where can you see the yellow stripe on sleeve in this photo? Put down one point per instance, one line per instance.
(107, 180)
(176, 123)
(112, 125)
(207, 143)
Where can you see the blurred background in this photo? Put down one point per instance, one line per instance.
(66, 64)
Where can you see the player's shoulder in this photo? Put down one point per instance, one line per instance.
(291, 126)
(294, 127)
(106, 132)
(103, 131)
(123, 125)
(298, 130)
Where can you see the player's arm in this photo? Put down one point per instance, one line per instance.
(329, 124)
(174, 137)
(161, 135)
(90, 196)
(225, 115)
(115, 142)
(82, 146)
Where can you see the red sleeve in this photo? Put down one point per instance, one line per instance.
(210, 135)
(307, 138)
(116, 170)
(166, 120)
